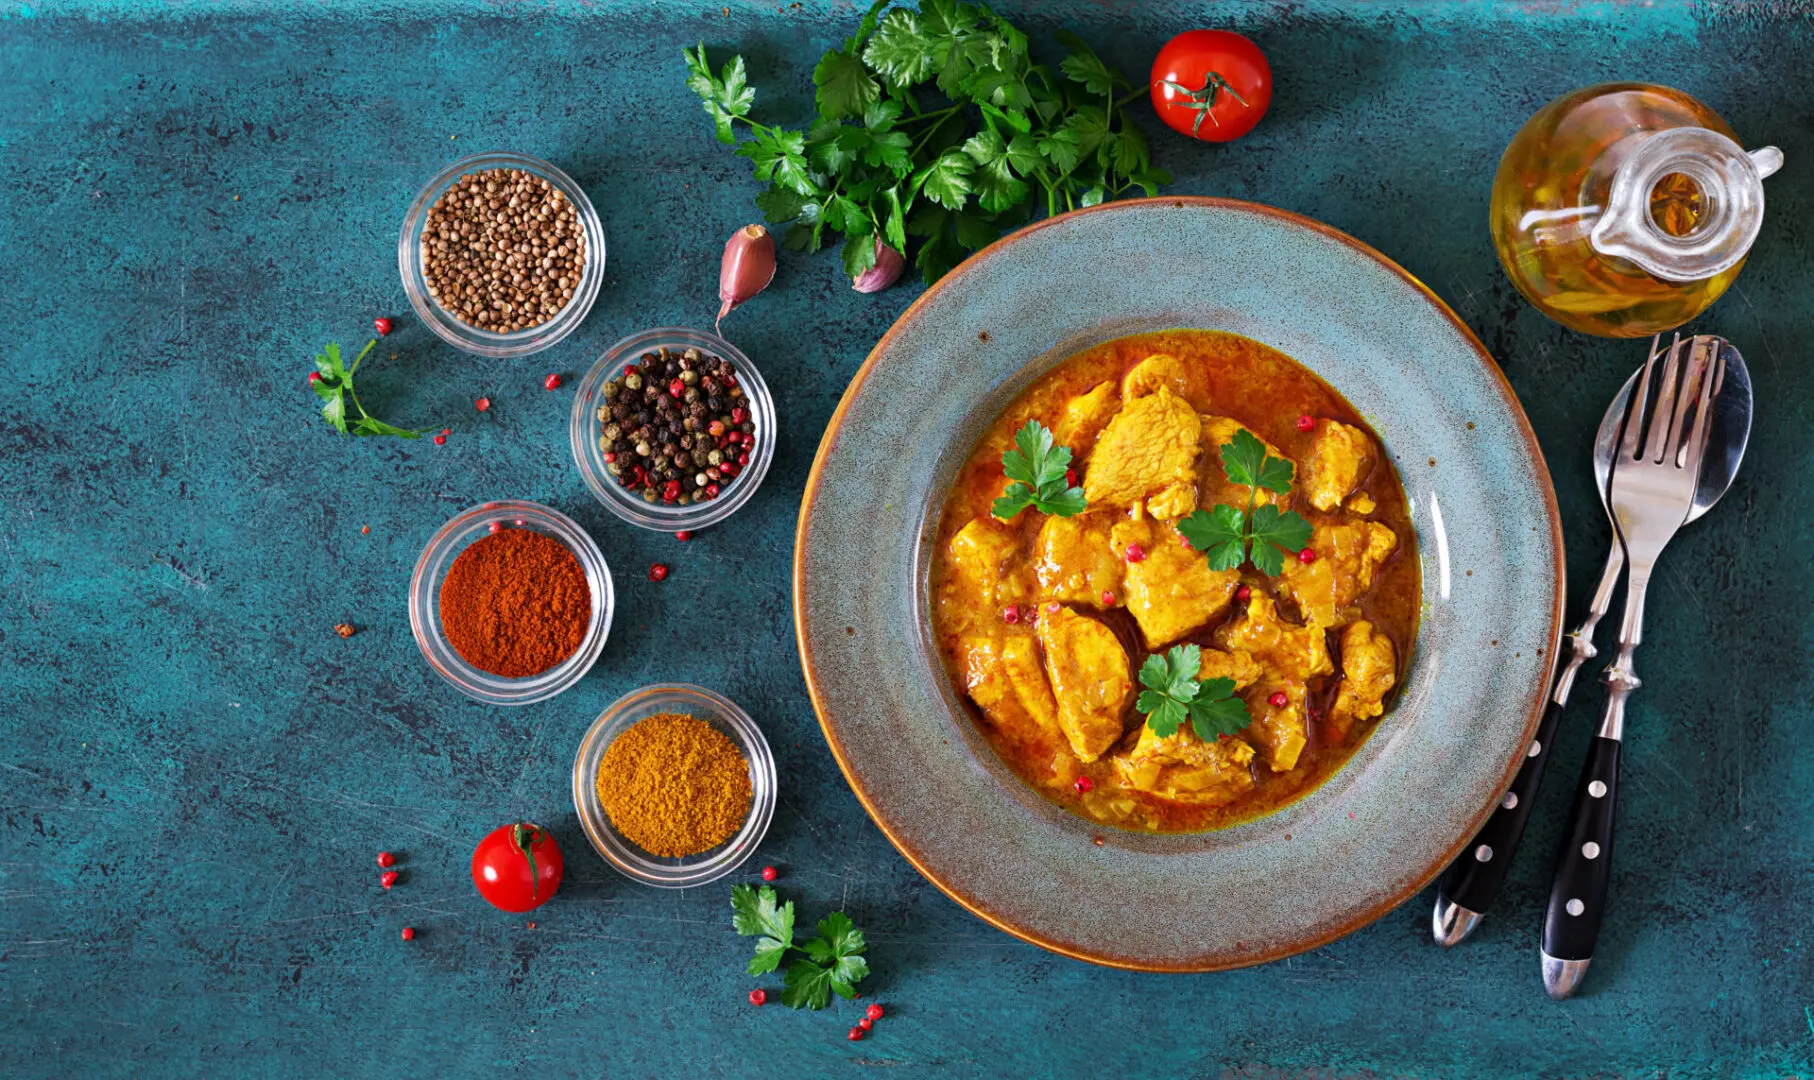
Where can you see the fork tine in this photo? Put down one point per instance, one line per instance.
(1713, 378)
(1634, 417)
(1656, 433)
(1701, 353)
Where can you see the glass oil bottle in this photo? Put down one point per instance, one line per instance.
(1625, 209)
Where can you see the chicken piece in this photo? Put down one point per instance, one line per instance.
(1173, 503)
(1084, 418)
(1362, 503)
(1238, 667)
(1369, 671)
(1185, 769)
(1213, 483)
(1346, 558)
(1089, 673)
(1074, 561)
(1279, 732)
(1150, 445)
(1170, 589)
(1340, 456)
(1291, 656)
(978, 554)
(1164, 369)
(1003, 676)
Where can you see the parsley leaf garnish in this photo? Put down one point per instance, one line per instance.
(1173, 694)
(1037, 469)
(334, 386)
(832, 961)
(1230, 536)
(938, 128)
(755, 914)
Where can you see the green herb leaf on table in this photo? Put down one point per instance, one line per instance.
(941, 128)
(1264, 534)
(1037, 469)
(755, 913)
(1173, 694)
(832, 961)
(334, 387)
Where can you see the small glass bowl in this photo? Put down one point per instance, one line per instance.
(721, 713)
(425, 601)
(471, 338)
(584, 427)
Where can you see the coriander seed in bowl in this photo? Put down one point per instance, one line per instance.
(501, 254)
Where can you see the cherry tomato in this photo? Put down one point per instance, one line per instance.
(517, 867)
(1212, 85)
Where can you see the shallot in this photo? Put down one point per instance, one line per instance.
(888, 267)
(748, 267)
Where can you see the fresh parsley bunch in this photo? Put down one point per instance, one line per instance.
(1173, 693)
(935, 124)
(831, 962)
(1231, 536)
(1040, 475)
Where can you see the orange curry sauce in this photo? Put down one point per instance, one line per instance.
(1266, 391)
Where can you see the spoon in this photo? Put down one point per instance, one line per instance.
(1472, 882)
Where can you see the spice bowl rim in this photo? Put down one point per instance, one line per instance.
(583, 432)
(723, 714)
(484, 342)
(456, 535)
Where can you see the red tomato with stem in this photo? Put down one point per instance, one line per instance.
(1212, 85)
(517, 867)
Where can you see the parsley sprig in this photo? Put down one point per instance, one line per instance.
(1232, 536)
(830, 963)
(1038, 470)
(335, 386)
(935, 124)
(1173, 693)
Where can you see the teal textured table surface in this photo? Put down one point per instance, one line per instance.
(196, 771)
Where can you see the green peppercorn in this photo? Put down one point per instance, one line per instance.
(633, 381)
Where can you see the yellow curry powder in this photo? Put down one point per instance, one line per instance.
(674, 785)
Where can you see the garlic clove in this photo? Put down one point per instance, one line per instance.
(888, 267)
(747, 268)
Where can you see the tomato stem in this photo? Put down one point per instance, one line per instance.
(1203, 99)
(523, 837)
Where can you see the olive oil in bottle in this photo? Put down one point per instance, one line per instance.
(1625, 209)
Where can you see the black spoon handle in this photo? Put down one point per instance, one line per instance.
(1577, 900)
(1472, 881)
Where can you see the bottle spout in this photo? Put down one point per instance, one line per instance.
(1718, 236)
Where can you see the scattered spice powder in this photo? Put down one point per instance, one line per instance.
(345, 629)
(515, 603)
(674, 785)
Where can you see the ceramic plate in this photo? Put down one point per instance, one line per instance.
(1488, 534)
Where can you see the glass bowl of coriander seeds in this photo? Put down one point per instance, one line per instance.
(501, 254)
(674, 785)
(673, 429)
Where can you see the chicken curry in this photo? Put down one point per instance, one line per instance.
(1045, 619)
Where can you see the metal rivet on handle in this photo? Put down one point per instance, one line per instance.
(1511, 800)
(1575, 907)
(1536, 748)
(1597, 790)
(1483, 854)
(1590, 850)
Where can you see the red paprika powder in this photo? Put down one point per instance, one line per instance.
(515, 603)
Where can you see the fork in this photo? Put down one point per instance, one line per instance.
(1652, 491)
